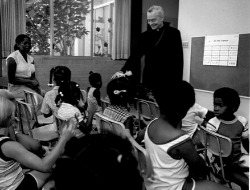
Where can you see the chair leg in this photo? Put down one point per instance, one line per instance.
(229, 184)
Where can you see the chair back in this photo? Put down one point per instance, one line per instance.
(215, 143)
(24, 115)
(104, 104)
(84, 95)
(142, 156)
(31, 97)
(147, 109)
(106, 125)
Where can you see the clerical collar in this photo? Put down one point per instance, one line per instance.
(158, 29)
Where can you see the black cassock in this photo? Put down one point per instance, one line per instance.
(163, 56)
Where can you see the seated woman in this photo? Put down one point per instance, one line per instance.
(13, 155)
(171, 150)
(59, 75)
(96, 162)
(118, 110)
(21, 71)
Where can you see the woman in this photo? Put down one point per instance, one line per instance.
(21, 71)
(13, 155)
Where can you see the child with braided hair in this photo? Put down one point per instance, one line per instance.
(118, 110)
(59, 75)
(70, 103)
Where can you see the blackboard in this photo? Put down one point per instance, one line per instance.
(210, 77)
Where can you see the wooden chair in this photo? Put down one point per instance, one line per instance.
(47, 134)
(30, 97)
(218, 145)
(147, 110)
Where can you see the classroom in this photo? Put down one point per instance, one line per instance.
(104, 45)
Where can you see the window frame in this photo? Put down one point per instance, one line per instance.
(111, 13)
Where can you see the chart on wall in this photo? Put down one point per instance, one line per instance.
(221, 50)
(234, 74)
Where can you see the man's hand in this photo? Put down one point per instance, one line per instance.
(117, 75)
(121, 74)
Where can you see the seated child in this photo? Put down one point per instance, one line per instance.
(226, 103)
(13, 156)
(94, 94)
(97, 162)
(69, 100)
(171, 150)
(59, 75)
(118, 110)
(189, 125)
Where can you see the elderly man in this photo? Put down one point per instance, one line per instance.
(162, 47)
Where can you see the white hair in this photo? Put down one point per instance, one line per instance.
(157, 9)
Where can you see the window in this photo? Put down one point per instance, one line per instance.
(71, 33)
(103, 27)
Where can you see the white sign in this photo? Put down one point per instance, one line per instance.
(222, 50)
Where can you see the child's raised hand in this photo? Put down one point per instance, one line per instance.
(69, 130)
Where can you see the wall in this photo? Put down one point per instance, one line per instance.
(79, 66)
(213, 17)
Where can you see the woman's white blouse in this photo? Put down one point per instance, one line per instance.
(23, 69)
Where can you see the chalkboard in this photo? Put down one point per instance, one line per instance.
(210, 77)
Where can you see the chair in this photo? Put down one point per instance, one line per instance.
(30, 97)
(104, 104)
(106, 125)
(147, 110)
(84, 95)
(218, 145)
(45, 134)
(143, 159)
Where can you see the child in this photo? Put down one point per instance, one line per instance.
(117, 90)
(97, 162)
(94, 94)
(226, 103)
(171, 150)
(70, 102)
(189, 125)
(59, 75)
(13, 155)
